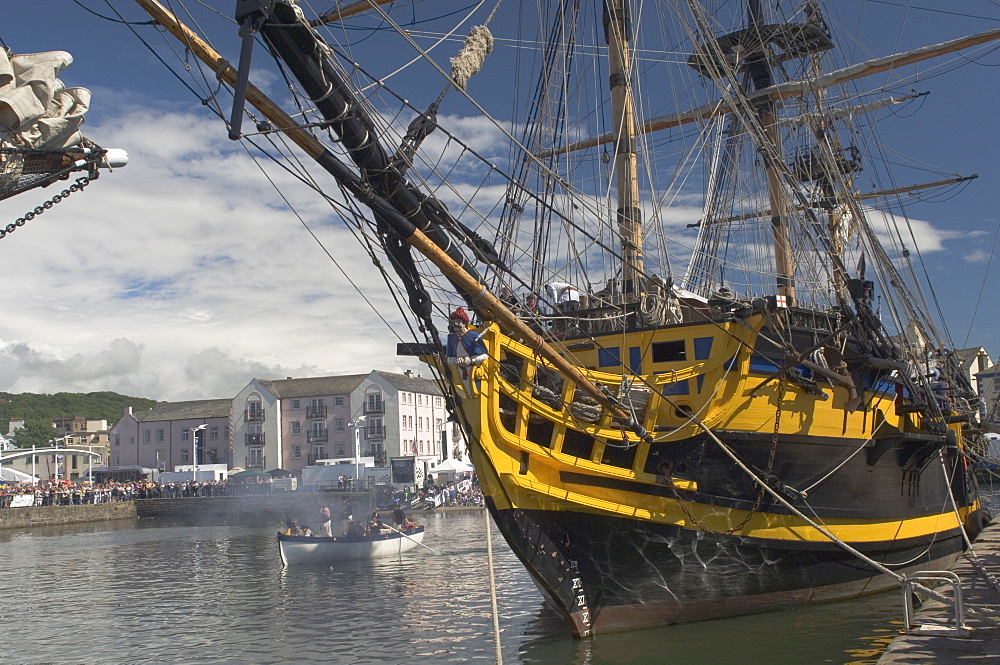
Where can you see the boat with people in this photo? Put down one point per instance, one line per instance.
(692, 357)
(326, 550)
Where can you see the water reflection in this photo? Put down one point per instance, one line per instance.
(182, 592)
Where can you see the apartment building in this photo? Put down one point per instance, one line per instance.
(165, 436)
(292, 423)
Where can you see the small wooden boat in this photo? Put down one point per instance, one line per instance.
(323, 550)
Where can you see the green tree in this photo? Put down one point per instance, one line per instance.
(36, 432)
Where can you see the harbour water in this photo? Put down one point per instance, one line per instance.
(151, 591)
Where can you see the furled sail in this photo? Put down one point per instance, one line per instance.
(40, 119)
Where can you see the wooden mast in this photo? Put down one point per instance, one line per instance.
(617, 32)
(758, 70)
(488, 305)
(341, 12)
(819, 129)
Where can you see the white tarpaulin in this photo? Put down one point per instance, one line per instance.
(452, 466)
(8, 475)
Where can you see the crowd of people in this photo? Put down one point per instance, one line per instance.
(65, 493)
(452, 493)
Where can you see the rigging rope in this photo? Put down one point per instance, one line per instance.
(827, 533)
(493, 588)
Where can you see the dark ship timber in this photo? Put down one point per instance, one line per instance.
(748, 435)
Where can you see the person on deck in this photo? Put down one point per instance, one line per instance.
(325, 527)
(465, 347)
(346, 517)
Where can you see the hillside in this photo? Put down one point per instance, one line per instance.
(92, 406)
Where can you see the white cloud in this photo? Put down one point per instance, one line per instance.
(977, 256)
(183, 275)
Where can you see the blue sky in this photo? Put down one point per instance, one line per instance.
(183, 275)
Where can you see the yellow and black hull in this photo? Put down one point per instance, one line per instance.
(621, 533)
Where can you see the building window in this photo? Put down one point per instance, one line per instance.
(338, 424)
(437, 401)
(296, 452)
(295, 404)
(338, 401)
(145, 436)
(438, 424)
(185, 456)
(213, 432)
(159, 436)
(118, 440)
(185, 434)
(296, 428)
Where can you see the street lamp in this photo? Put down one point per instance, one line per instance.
(357, 425)
(194, 450)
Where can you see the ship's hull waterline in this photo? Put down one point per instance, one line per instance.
(633, 535)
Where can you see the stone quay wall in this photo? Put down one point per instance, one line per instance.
(255, 510)
(273, 509)
(32, 516)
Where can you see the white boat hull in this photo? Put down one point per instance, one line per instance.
(296, 550)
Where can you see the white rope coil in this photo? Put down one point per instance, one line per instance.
(470, 58)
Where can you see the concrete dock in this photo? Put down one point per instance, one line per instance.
(933, 638)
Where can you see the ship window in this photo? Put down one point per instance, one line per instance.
(508, 412)
(511, 367)
(665, 352)
(548, 389)
(703, 347)
(578, 444)
(540, 430)
(609, 357)
(619, 453)
(676, 388)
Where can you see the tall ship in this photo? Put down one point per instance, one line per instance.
(653, 256)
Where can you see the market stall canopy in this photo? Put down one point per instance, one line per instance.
(452, 466)
(249, 474)
(8, 475)
(280, 473)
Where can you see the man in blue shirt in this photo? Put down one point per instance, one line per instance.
(465, 347)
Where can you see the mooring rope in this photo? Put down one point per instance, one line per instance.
(833, 538)
(493, 588)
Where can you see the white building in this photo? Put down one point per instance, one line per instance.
(988, 386)
(292, 423)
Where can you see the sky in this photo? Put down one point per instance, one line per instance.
(185, 275)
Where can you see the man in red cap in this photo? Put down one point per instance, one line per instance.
(465, 347)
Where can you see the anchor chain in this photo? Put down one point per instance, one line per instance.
(770, 461)
(77, 186)
(682, 504)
